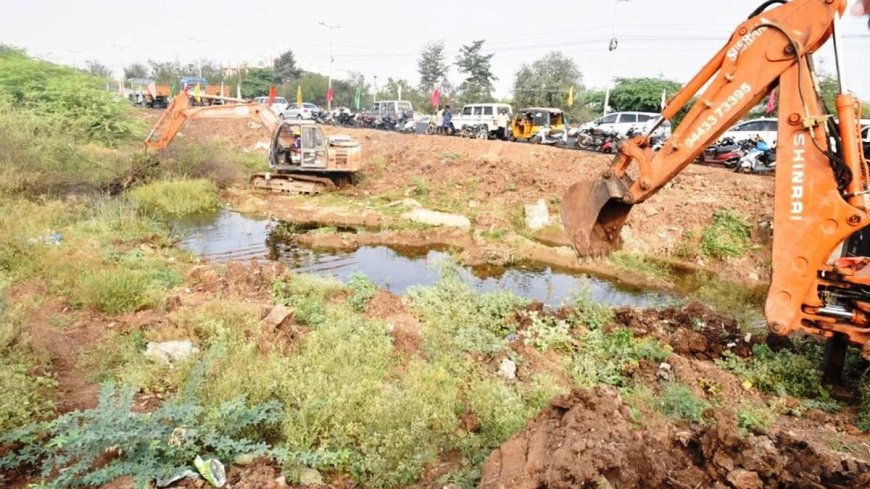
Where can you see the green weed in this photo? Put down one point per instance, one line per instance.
(420, 187)
(115, 290)
(362, 291)
(605, 357)
(591, 314)
(176, 197)
(752, 417)
(783, 372)
(308, 296)
(727, 237)
(24, 380)
(451, 155)
(548, 332)
(677, 401)
(640, 264)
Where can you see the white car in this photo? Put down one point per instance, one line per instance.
(486, 114)
(307, 111)
(278, 105)
(622, 122)
(766, 127)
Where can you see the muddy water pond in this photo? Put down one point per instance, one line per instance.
(228, 235)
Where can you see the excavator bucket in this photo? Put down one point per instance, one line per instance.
(593, 213)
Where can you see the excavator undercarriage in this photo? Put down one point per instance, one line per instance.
(821, 279)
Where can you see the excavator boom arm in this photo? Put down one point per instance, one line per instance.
(819, 191)
(180, 111)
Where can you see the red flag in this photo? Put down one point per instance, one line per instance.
(329, 94)
(771, 102)
(436, 98)
(272, 94)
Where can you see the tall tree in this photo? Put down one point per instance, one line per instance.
(285, 68)
(135, 70)
(165, 72)
(256, 82)
(432, 65)
(477, 86)
(642, 94)
(546, 82)
(98, 69)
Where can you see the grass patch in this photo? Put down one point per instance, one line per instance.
(783, 372)
(115, 290)
(308, 296)
(677, 401)
(420, 187)
(176, 197)
(604, 358)
(640, 264)
(451, 155)
(727, 237)
(753, 417)
(362, 291)
(26, 384)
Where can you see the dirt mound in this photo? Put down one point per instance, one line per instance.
(588, 439)
(694, 330)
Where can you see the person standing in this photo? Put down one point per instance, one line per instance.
(502, 123)
(448, 119)
(439, 121)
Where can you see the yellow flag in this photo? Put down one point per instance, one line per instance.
(197, 93)
(299, 96)
(571, 96)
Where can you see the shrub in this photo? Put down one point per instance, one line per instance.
(605, 357)
(677, 401)
(727, 237)
(362, 291)
(752, 417)
(458, 319)
(176, 197)
(590, 313)
(783, 372)
(96, 446)
(26, 388)
(215, 162)
(548, 332)
(115, 290)
(307, 295)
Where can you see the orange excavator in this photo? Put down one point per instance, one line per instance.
(301, 159)
(821, 252)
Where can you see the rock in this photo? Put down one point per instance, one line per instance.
(744, 479)
(170, 351)
(537, 215)
(665, 372)
(281, 481)
(244, 459)
(146, 249)
(754, 277)
(508, 369)
(435, 218)
(277, 315)
(310, 477)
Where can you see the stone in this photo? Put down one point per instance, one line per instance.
(508, 369)
(435, 218)
(754, 277)
(310, 477)
(744, 479)
(537, 215)
(170, 351)
(665, 372)
(277, 315)
(281, 481)
(244, 459)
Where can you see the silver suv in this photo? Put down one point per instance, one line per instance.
(307, 111)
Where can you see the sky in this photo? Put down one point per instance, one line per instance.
(673, 38)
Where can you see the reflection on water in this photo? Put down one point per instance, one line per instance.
(231, 236)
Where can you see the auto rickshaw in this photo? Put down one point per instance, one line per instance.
(539, 125)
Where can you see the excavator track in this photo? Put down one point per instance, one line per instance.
(292, 183)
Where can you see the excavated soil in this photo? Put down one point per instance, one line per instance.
(588, 439)
(490, 181)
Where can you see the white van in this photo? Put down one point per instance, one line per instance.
(393, 109)
(474, 114)
(621, 122)
(278, 105)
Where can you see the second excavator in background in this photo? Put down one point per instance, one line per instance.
(820, 281)
(302, 160)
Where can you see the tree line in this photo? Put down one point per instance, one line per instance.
(554, 80)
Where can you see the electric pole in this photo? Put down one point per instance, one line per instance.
(614, 42)
(331, 61)
(199, 53)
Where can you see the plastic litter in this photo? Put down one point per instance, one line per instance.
(212, 470)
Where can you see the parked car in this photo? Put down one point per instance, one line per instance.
(307, 111)
(391, 109)
(764, 127)
(279, 105)
(473, 115)
(622, 122)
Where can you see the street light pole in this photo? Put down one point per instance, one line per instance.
(614, 42)
(199, 54)
(331, 60)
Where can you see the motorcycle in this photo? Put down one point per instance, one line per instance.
(595, 139)
(477, 131)
(407, 125)
(345, 118)
(726, 152)
(365, 121)
(761, 159)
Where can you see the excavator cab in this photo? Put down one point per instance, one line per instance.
(298, 145)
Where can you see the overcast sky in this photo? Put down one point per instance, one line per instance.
(380, 38)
